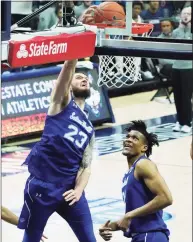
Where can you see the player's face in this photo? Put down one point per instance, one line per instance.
(134, 144)
(136, 10)
(80, 86)
(166, 27)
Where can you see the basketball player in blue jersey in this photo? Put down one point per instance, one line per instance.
(59, 164)
(144, 191)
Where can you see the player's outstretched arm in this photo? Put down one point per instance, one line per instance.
(148, 172)
(83, 175)
(60, 95)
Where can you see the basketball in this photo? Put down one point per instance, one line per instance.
(110, 12)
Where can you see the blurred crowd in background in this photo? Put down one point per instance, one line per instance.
(143, 11)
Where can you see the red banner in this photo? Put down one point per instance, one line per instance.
(49, 49)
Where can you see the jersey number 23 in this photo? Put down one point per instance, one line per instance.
(74, 131)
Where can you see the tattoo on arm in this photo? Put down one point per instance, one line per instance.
(88, 154)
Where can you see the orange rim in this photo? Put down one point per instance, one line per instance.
(141, 28)
(137, 28)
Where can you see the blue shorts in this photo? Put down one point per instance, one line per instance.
(150, 237)
(41, 200)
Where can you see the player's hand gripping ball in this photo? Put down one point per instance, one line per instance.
(110, 13)
(90, 15)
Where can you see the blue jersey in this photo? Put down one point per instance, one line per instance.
(136, 194)
(56, 158)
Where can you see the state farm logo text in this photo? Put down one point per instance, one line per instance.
(41, 49)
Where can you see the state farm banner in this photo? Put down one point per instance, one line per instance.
(49, 49)
(25, 102)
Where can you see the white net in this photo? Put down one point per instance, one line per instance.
(116, 71)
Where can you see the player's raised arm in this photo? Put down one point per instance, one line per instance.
(60, 95)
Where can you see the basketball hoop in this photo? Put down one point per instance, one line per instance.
(116, 71)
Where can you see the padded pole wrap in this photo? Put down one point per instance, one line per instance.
(49, 49)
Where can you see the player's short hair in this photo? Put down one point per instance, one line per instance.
(82, 71)
(151, 139)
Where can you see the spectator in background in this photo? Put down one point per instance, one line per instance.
(59, 14)
(182, 73)
(165, 65)
(20, 9)
(48, 17)
(153, 15)
(137, 8)
(168, 8)
(166, 28)
(145, 5)
(179, 5)
(79, 10)
(37, 4)
(69, 18)
(187, 4)
(154, 11)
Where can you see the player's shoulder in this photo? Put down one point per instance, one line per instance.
(58, 107)
(145, 166)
